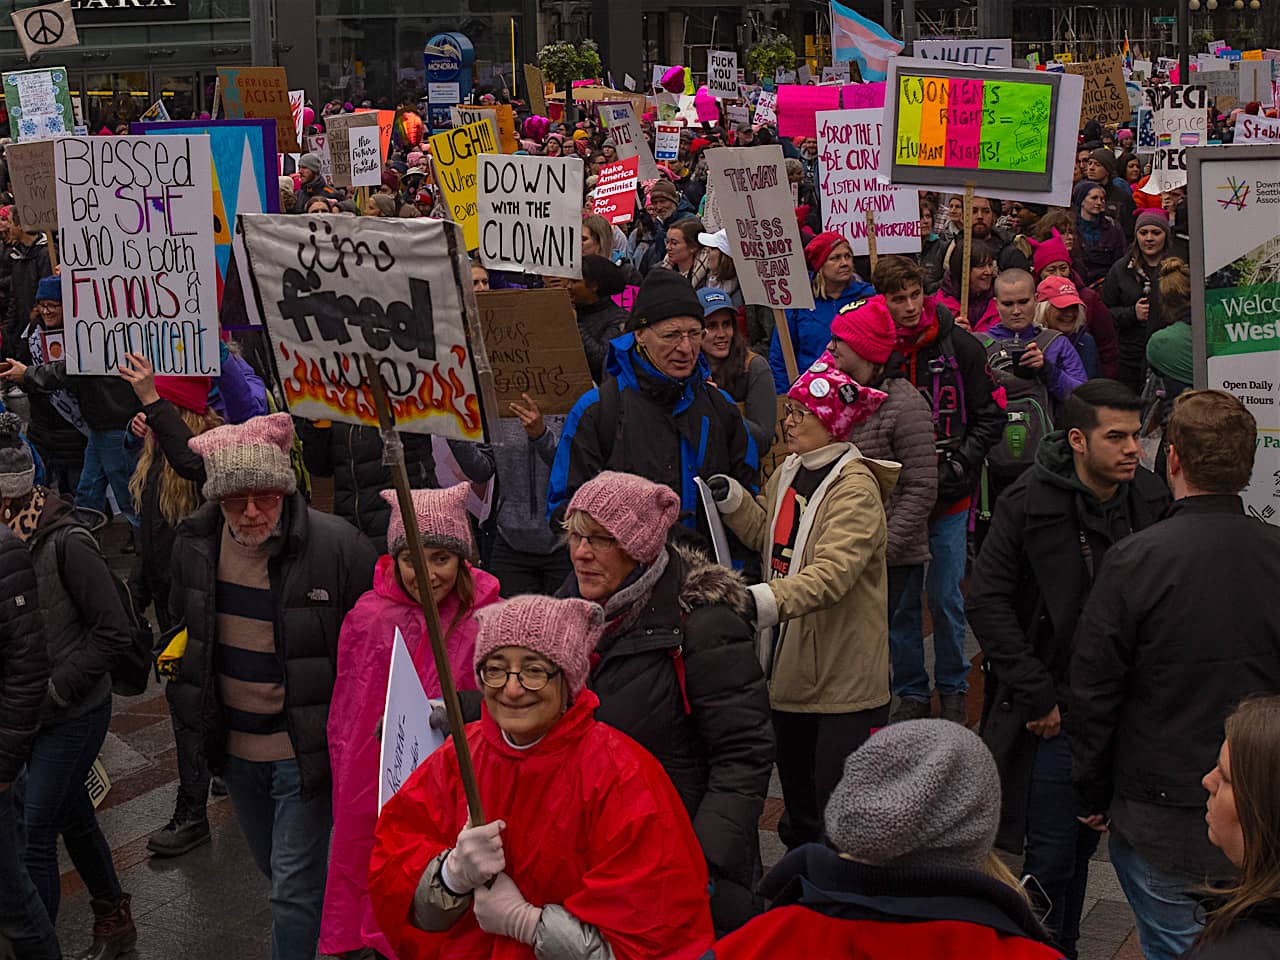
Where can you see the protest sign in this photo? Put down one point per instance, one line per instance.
(259, 93)
(1255, 81)
(1248, 130)
(31, 178)
(535, 347)
(534, 88)
(627, 137)
(982, 53)
(318, 144)
(407, 735)
(629, 81)
(138, 267)
(615, 193)
(1219, 83)
(1012, 132)
(530, 214)
(462, 115)
(46, 27)
(848, 157)
(1145, 135)
(836, 72)
(1105, 98)
(766, 108)
(331, 289)
(156, 112)
(1178, 120)
(737, 113)
(297, 103)
(1233, 208)
(39, 104)
(722, 74)
(759, 215)
(797, 106)
(339, 128)
(366, 161)
(454, 155)
(666, 140)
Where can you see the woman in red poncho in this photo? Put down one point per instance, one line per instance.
(589, 848)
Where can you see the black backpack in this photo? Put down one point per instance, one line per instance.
(131, 669)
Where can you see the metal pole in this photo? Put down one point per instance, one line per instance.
(908, 22)
(1183, 13)
(888, 15)
(260, 23)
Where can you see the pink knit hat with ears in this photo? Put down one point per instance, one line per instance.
(441, 518)
(563, 631)
(253, 455)
(834, 397)
(636, 512)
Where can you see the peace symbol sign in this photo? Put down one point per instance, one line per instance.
(43, 26)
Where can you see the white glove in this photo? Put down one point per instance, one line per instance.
(476, 857)
(503, 911)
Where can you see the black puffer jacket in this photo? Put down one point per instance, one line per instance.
(106, 403)
(599, 323)
(28, 264)
(24, 657)
(1121, 291)
(320, 570)
(682, 679)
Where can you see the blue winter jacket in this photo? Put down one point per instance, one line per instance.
(811, 331)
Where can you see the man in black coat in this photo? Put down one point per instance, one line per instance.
(1180, 628)
(1028, 586)
(24, 677)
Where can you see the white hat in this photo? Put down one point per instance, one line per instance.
(719, 240)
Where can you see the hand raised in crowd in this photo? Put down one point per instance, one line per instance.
(1048, 726)
(137, 370)
(477, 856)
(530, 416)
(138, 425)
(1142, 309)
(1032, 357)
(12, 370)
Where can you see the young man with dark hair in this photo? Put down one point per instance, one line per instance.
(1051, 529)
(1179, 629)
(949, 367)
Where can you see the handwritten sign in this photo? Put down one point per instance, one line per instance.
(766, 108)
(138, 267)
(259, 93)
(454, 154)
(1179, 120)
(530, 214)
(31, 177)
(331, 289)
(339, 127)
(722, 74)
(366, 157)
(759, 215)
(533, 342)
(39, 104)
(666, 140)
(627, 137)
(796, 105)
(982, 53)
(318, 144)
(1248, 130)
(849, 144)
(407, 735)
(615, 194)
(1105, 97)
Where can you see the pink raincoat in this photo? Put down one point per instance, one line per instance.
(359, 695)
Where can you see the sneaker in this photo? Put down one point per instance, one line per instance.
(179, 836)
(953, 708)
(909, 708)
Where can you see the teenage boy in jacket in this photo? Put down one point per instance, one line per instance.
(1029, 583)
(949, 367)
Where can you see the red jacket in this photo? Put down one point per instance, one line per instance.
(593, 824)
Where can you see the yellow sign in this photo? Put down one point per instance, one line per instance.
(453, 153)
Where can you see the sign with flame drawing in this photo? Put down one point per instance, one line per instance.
(331, 289)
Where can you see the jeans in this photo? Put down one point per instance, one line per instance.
(289, 840)
(24, 923)
(1164, 910)
(947, 543)
(105, 453)
(193, 771)
(1058, 846)
(519, 572)
(57, 802)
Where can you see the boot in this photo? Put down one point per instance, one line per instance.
(186, 831)
(953, 708)
(911, 709)
(113, 931)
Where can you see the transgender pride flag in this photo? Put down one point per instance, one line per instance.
(866, 43)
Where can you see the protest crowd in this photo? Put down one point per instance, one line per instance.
(764, 427)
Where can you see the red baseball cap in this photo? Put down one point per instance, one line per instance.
(1059, 291)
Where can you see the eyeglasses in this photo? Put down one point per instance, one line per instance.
(532, 678)
(596, 543)
(48, 306)
(263, 501)
(672, 340)
(791, 411)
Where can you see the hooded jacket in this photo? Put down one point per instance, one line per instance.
(24, 655)
(1028, 586)
(524, 470)
(595, 832)
(359, 699)
(641, 421)
(811, 331)
(983, 311)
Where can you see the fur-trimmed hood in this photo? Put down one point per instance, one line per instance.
(706, 583)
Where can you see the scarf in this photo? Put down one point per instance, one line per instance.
(23, 518)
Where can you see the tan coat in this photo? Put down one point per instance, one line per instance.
(832, 654)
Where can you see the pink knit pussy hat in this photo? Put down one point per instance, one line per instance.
(441, 518)
(253, 455)
(834, 397)
(563, 631)
(636, 512)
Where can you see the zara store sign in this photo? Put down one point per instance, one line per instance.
(129, 11)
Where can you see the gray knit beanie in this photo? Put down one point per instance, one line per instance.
(17, 466)
(309, 161)
(918, 793)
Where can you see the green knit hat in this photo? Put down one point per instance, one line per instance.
(1169, 352)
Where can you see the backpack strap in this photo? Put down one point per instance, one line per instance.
(1044, 338)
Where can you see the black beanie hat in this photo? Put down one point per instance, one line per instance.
(608, 278)
(664, 294)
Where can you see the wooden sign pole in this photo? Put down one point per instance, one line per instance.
(871, 237)
(788, 348)
(394, 458)
(53, 251)
(968, 252)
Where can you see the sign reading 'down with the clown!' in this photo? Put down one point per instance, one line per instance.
(138, 267)
(331, 289)
(530, 217)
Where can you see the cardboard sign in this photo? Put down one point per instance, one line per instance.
(530, 214)
(1248, 130)
(31, 177)
(533, 85)
(454, 154)
(39, 104)
(535, 347)
(982, 53)
(759, 215)
(331, 289)
(407, 735)
(1105, 98)
(366, 159)
(849, 143)
(259, 93)
(138, 267)
(615, 193)
(722, 74)
(339, 126)
(1255, 81)
(45, 27)
(666, 140)
(627, 137)
(156, 112)
(1179, 120)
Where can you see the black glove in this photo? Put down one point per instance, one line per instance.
(719, 487)
(955, 477)
(439, 720)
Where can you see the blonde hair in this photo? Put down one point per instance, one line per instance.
(178, 496)
(1042, 316)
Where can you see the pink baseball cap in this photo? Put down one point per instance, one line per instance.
(1060, 292)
